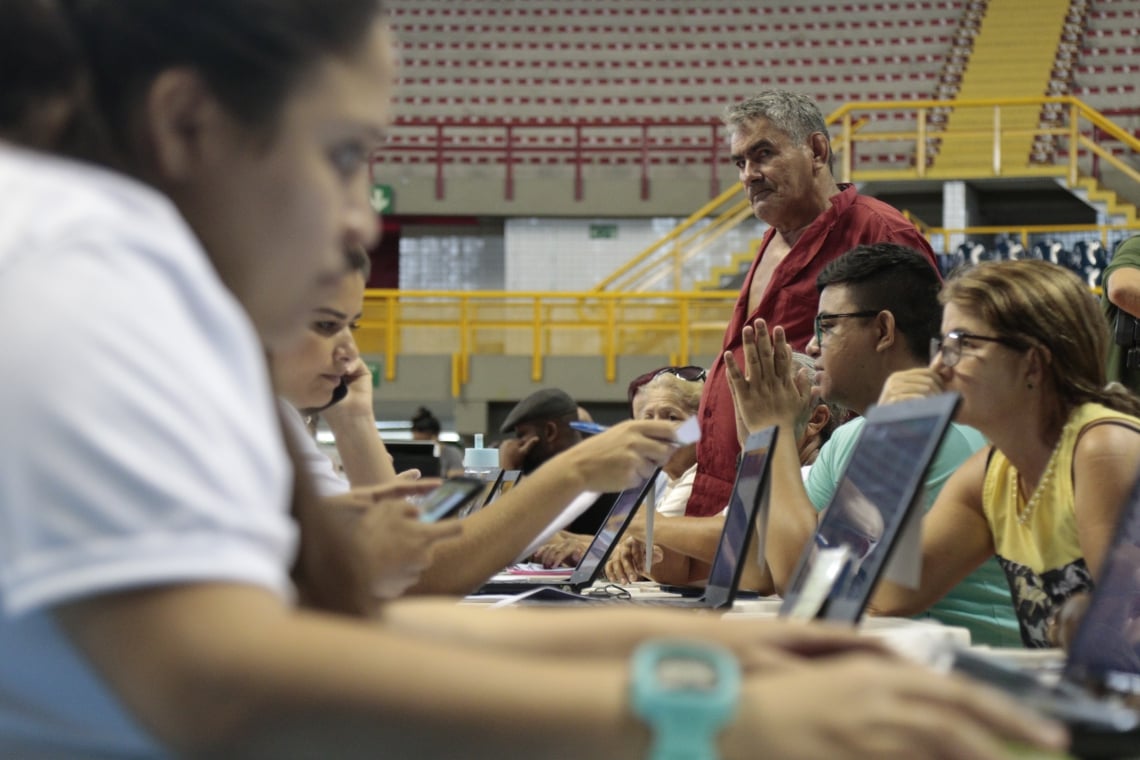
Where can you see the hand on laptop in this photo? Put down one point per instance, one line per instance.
(627, 562)
(565, 549)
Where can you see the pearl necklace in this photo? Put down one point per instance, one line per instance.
(1023, 515)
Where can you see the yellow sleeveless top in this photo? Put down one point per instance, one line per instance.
(1039, 550)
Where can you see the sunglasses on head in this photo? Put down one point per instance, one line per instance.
(691, 373)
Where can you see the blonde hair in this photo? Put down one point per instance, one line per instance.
(686, 392)
(1040, 304)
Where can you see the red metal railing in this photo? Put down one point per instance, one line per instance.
(518, 142)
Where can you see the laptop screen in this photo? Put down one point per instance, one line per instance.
(880, 485)
(1106, 649)
(748, 500)
(419, 455)
(616, 521)
(503, 483)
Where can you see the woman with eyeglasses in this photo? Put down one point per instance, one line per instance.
(1024, 343)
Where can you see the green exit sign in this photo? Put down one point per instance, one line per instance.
(603, 231)
(383, 199)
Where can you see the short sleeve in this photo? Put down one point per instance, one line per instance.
(823, 478)
(141, 443)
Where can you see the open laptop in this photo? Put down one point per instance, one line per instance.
(593, 559)
(419, 455)
(504, 481)
(1098, 694)
(747, 514)
(880, 489)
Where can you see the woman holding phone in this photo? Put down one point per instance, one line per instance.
(322, 372)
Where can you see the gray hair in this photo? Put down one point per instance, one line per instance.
(687, 393)
(793, 113)
(837, 412)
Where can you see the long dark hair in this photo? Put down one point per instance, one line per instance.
(103, 54)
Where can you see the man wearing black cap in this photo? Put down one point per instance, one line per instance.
(541, 424)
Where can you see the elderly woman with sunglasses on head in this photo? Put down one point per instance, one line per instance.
(1024, 343)
(672, 394)
(684, 547)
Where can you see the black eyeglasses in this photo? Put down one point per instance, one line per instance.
(691, 373)
(950, 345)
(819, 319)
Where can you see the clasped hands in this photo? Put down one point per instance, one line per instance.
(767, 390)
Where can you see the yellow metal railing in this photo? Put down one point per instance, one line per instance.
(462, 324)
(619, 318)
(1074, 135)
(669, 249)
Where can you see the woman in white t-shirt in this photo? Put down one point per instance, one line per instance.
(146, 605)
(321, 372)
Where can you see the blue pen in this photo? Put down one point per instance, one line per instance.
(589, 428)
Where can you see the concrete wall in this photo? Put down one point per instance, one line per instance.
(498, 382)
(549, 190)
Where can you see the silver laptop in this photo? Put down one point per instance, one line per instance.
(590, 566)
(880, 489)
(747, 514)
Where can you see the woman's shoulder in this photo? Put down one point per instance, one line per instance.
(60, 205)
(1089, 417)
(1098, 429)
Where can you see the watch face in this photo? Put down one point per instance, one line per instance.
(686, 674)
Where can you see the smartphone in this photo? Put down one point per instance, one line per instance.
(338, 394)
(450, 497)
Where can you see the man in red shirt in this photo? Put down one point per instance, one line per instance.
(781, 148)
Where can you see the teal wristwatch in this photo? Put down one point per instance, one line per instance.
(686, 691)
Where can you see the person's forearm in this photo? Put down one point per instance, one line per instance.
(694, 537)
(494, 537)
(1123, 290)
(284, 684)
(536, 632)
(792, 518)
(362, 454)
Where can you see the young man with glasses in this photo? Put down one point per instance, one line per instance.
(782, 151)
(878, 314)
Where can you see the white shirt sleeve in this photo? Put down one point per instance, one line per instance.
(141, 441)
(322, 471)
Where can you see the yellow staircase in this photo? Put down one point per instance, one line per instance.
(1013, 56)
(1116, 209)
(737, 266)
